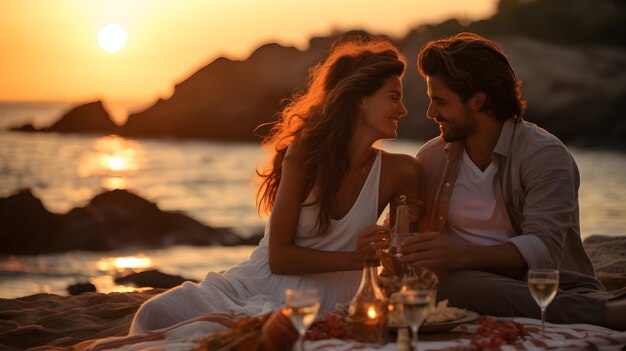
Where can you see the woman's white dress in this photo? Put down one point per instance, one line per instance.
(251, 288)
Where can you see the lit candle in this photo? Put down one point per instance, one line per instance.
(371, 312)
(372, 317)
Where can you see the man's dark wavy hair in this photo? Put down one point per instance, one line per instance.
(468, 63)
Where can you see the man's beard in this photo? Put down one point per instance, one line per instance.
(454, 132)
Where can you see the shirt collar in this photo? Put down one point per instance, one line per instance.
(503, 146)
(454, 150)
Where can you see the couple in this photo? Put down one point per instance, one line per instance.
(498, 195)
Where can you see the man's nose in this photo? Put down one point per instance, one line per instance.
(431, 113)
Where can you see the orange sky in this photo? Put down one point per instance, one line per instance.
(49, 49)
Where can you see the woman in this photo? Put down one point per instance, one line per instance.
(326, 187)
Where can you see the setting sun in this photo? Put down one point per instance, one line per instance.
(112, 37)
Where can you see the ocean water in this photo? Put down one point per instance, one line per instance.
(212, 182)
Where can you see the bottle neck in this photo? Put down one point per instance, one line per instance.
(369, 277)
(402, 219)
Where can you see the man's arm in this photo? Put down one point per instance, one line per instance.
(550, 180)
(431, 250)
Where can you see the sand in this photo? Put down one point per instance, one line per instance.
(46, 319)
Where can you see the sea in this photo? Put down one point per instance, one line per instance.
(212, 182)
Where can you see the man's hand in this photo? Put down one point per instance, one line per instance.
(430, 250)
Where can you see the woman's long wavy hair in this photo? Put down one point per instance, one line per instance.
(322, 119)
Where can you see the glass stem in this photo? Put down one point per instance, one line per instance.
(414, 330)
(543, 322)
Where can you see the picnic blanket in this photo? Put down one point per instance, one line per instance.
(188, 336)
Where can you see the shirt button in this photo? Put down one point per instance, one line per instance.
(447, 185)
(441, 218)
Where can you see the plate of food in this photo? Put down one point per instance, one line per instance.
(441, 317)
(440, 327)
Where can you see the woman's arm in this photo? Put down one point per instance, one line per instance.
(287, 258)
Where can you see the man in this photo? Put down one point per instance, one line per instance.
(501, 194)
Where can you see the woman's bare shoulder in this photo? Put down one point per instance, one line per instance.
(402, 165)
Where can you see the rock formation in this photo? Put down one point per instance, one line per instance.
(87, 118)
(112, 220)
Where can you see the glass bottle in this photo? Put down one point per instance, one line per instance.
(401, 232)
(367, 312)
(402, 216)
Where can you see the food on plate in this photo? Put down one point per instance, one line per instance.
(329, 325)
(439, 313)
(492, 334)
(444, 313)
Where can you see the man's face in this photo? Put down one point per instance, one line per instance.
(455, 119)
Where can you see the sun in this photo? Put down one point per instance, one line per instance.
(112, 37)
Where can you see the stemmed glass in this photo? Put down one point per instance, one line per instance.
(303, 305)
(415, 304)
(543, 285)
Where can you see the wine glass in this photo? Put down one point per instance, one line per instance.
(415, 304)
(543, 285)
(303, 305)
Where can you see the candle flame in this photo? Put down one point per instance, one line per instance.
(371, 312)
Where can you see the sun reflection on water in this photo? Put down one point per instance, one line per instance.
(132, 263)
(113, 158)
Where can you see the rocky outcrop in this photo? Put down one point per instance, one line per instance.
(152, 279)
(26, 226)
(87, 118)
(608, 254)
(573, 92)
(112, 220)
(227, 100)
(80, 288)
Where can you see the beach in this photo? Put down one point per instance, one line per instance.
(53, 320)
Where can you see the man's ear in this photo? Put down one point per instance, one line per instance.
(477, 102)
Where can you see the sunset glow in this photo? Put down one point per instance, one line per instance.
(168, 40)
(112, 37)
(112, 183)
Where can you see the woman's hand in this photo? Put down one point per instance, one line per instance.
(370, 240)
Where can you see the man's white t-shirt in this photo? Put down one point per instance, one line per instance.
(474, 217)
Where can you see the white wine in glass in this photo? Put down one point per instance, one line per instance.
(543, 285)
(415, 305)
(303, 306)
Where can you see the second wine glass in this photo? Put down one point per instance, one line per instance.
(543, 285)
(415, 306)
(303, 305)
